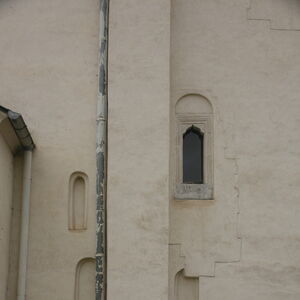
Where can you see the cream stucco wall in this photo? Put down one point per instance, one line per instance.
(243, 56)
(48, 64)
(138, 150)
(243, 244)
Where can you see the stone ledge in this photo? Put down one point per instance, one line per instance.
(194, 192)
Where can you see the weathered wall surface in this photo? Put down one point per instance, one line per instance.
(138, 149)
(243, 56)
(49, 53)
(245, 243)
(6, 188)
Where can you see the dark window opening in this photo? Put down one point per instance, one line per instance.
(193, 140)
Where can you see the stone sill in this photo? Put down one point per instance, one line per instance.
(194, 192)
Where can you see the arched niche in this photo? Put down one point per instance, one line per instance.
(194, 148)
(85, 279)
(193, 104)
(78, 201)
(186, 288)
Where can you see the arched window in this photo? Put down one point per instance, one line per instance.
(193, 140)
(194, 148)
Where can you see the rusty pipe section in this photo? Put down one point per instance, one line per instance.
(101, 156)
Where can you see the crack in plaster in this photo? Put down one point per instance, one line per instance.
(181, 257)
(238, 232)
(269, 20)
(229, 154)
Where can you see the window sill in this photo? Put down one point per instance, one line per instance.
(194, 192)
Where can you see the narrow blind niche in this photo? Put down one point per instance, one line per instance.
(78, 201)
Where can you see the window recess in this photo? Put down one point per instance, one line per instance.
(192, 156)
(194, 151)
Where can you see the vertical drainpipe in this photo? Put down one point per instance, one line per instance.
(101, 156)
(24, 236)
(27, 145)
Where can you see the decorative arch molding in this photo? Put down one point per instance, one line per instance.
(85, 279)
(78, 201)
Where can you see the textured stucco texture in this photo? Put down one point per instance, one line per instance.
(240, 55)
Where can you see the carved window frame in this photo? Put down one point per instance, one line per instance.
(195, 191)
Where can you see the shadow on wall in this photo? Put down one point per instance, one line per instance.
(186, 288)
(85, 279)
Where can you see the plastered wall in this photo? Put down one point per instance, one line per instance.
(138, 149)
(48, 64)
(243, 244)
(243, 57)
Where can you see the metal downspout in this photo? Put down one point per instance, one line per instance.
(27, 145)
(24, 225)
(101, 155)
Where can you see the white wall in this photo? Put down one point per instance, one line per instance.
(248, 237)
(49, 57)
(138, 149)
